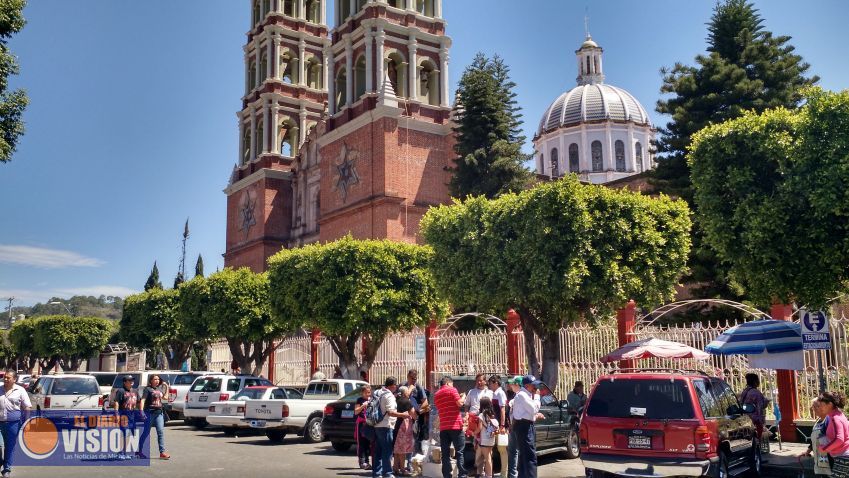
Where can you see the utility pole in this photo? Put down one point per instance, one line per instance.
(10, 299)
(183, 257)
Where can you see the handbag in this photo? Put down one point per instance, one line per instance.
(502, 440)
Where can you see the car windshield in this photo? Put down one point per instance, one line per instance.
(75, 386)
(206, 384)
(643, 398)
(322, 388)
(185, 379)
(250, 394)
(105, 380)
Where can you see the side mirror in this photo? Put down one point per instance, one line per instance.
(748, 408)
(565, 404)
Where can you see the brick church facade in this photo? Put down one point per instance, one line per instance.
(342, 131)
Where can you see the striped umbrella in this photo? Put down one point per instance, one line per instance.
(758, 337)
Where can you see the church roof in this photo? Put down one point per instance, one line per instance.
(589, 103)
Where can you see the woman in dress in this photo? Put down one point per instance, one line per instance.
(151, 405)
(487, 433)
(405, 439)
(14, 404)
(836, 443)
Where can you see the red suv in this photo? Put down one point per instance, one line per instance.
(659, 423)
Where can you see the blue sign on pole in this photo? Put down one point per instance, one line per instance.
(815, 331)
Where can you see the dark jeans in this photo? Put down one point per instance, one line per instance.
(363, 445)
(382, 465)
(512, 453)
(526, 443)
(446, 439)
(10, 432)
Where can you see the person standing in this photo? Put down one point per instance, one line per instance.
(419, 396)
(125, 403)
(525, 413)
(752, 395)
(836, 432)
(362, 432)
(404, 439)
(473, 399)
(151, 406)
(513, 387)
(822, 466)
(577, 398)
(487, 433)
(448, 403)
(14, 404)
(499, 408)
(382, 466)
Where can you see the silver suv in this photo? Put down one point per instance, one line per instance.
(214, 388)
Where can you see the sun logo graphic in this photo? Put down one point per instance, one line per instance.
(39, 438)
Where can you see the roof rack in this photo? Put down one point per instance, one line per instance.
(682, 371)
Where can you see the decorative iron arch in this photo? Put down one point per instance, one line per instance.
(449, 324)
(650, 318)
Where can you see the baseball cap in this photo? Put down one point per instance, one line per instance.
(517, 380)
(129, 378)
(530, 380)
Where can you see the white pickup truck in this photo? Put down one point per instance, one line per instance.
(302, 417)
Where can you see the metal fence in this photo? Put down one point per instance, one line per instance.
(292, 360)
(471, 352)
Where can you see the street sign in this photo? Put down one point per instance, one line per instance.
(815, 332)
(420, 347)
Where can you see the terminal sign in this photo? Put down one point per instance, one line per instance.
(815, 333)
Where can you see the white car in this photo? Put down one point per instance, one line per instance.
(73, 391)
(229, 414)
(177, 390)
(104, 381)
(214, 388)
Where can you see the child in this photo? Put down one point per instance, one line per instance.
(487, 434)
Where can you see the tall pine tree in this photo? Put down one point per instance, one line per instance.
(745, 68)
(199, 266)
(153, 279)
(12, 103)
(488, 119)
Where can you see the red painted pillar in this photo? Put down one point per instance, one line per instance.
(626, 319)
(430, 355)
(513, 352)
(788, 394)
(315, 337)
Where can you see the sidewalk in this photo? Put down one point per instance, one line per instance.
(784, 462)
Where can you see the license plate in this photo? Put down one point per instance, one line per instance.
(347, 414)
(227, 410)
(639, 442)
(257, 423)
(202, 398)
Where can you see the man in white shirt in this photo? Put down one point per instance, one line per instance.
(525, 412)
(473, 399)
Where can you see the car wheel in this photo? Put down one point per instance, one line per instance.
(200, 423)
(190, 422)
(755, 460)
(275, 435)
(595, 473)
(722, 466)
(340, 446)
(230, 431)
(312, 432)
(573, 444)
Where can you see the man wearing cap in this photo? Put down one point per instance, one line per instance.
(126, 400)
(513, 385)
(525, 413)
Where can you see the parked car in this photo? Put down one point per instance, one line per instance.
(302, 417)
(229, 414)
(24, 380)
(664, 423)
(338, 422)
(214, 388)
(104, 381)
(178, 388)
(140, 379)
(72, 391)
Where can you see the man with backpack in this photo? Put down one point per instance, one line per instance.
(381, 412)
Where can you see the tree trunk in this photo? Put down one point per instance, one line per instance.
(260, 355)
(179, 353)
(530, 349)
(551, 359)
(241, 352)
(71, 364)
(369, 354)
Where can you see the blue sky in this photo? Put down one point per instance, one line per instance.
(132, 128)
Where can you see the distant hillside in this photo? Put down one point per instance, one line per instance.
(89, 306)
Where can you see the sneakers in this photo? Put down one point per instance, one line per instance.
(164, 456)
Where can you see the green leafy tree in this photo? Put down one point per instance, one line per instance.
(352, 290)
(178, 279)
(558, 253)
(7, 353)
(12, 103)
(153, 279)
(772, 198)
(488, 121)
(70, 340)
(199, 266)
(22, 340)
(152, 320)
(745, 68)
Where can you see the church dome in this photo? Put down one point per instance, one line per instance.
(590, 103)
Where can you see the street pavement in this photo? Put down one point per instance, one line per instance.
(210, 454)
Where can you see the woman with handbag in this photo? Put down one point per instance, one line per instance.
(836, 432)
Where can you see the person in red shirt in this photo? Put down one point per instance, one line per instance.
(448, 403)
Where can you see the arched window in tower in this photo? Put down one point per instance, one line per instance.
(287, 69)
(344, 11)
(541, 163)
(341, 87)
(574, 163)
(619, 150)
(289, 8)
(256, 13)
(251, 76)
(260, 138)
(597, 156)
(360, 77)
(395, 68)
(313, 11)
(246, 145)
(428, 83)
(425, 7)
(638, 154)
(263, 65)
(588, 65)
(313, 71)
(555, 169)
(266, 7)
(288, 135)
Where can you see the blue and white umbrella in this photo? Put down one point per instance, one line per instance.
(758, 337)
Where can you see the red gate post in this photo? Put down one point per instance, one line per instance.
(315, 337)
(788, 394)
(626, 319)
(367, 371)
(272, 351)
(430, 355)
(513, 322)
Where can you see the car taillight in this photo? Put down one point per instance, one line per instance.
(240, 410)
(46, 402)
(186, 399)
(285, 411)
(583, 435)
(172, 394)
(328, 410)
(212, 409)
(224, 397)
(704, 441)
(100, 400)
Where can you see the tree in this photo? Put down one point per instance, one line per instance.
(771, 196)
(153, 279)
(199, 266)
(745, 68)
(70, 340)
(152, 320)
(12, 103)
(22, 340)
(352, 290)
(178, 279)
(489, 141)
(558, 253)
(7, 352)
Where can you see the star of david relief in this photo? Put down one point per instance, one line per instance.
(346, 171)
(247, 205)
